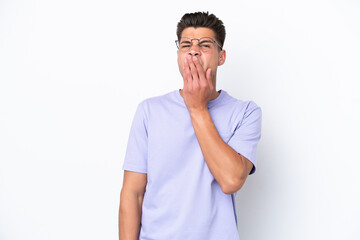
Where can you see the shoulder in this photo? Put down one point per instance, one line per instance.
(154, 102)
(244, 107)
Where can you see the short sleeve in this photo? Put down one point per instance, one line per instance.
(137, 146)
(247, 134)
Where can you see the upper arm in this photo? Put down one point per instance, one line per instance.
(247, 135)
(135, 162)
(248, 165)
(134, 182)
(137, 147)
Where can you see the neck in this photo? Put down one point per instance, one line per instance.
(214, 95)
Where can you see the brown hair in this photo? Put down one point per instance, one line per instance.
(202, 19)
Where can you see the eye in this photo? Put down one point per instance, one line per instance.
(206, 44)
(185, 44)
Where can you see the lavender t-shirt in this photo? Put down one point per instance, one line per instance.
(183, 201)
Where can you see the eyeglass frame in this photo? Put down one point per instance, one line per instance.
(177, 42)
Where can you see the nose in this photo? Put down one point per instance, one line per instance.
(194, 52)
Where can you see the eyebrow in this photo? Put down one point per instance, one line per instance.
(206, 40)
(203, 41)
(197, 38)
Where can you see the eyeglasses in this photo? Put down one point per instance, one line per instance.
(205, 44)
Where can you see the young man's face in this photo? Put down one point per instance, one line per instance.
(210, 59)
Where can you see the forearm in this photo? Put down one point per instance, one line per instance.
(130, 212)
(226, 165)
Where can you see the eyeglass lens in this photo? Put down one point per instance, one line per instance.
(205, 44)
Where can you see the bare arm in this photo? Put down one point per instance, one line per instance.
(130, 210)
(229, 168)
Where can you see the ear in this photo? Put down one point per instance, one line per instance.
(222, 57)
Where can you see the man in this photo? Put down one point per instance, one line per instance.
(190, 150)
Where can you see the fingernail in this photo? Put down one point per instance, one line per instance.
(188, 57)
(194, 58)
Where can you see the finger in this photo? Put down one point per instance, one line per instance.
(209, 79)
(200, 70)
(186, 73)
(193, 70)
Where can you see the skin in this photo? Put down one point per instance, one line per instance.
(229, 168)
(198, 69)
(209, 61)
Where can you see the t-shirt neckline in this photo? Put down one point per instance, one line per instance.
(210, 103)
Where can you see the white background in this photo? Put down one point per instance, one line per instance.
(72, 73)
